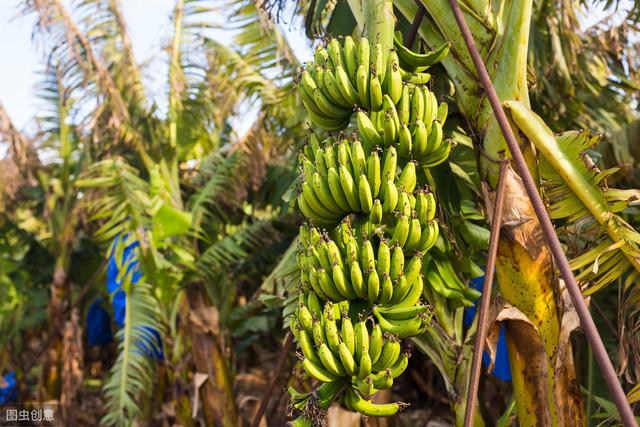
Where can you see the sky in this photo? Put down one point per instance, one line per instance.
(149, 23)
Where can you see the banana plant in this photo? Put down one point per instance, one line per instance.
(542, 382)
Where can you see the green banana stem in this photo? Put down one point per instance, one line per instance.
(379, 23)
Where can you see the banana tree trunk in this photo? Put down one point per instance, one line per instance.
(217, 399)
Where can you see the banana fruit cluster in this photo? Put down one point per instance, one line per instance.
(371, 219)
(348, 268)
(360, 354)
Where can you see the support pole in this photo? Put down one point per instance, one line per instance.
(483, 312)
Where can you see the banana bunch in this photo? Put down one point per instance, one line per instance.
(414, 126)
(371, 219)
(350, 268)
(343, 178)
(335, 349)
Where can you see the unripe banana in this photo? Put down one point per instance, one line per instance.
(373, 285)
(383, 380)
(375, 92)
(375, 343)
(335, 53)
(349, 189)
(378, 61)
(386, 289)
(367, 256)
(404, 106)
(307, 347)
(318, 372)
(401, 230)
(348, 92)
(361, 340)
(394, 77)
(390, 164)
(429, 236)
(405, 142)
(420, 137)
(331, 332)
(333, 92)
(320, 56)
(342, 282)
(364, 193)
(304, 317)
(362, 85)
(390, 130)
(400, 366)
(367, 130)
(335, 187)
(415, 234)
(350, 56)
(323, 193)
(327, 285)
(347, 332)
(374, 173)
(357, 280)
(390, 351)
(417, 106)
(358, 158)
(408, 178)
(330, 362)
(375, 217)
(434, 140)
(414, 294)
(318, 334)
(384, 257)
(390, 196)
(397, 262)
(348, 363)
(401, 328)
(364, 364)
(368, 408)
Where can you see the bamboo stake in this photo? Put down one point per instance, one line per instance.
(483, 311)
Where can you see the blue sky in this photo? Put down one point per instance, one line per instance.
(150, 29)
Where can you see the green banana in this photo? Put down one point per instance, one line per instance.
(389, 353)
(375, 343)
(367, 131)
(364, 193)
(348, 363)
(368, 408)
(349, 48)
(357, 280)
(348, 92)
(362, 85)
(374, 173)
(318, 372)
(335, 187)
(421, 59)
(375, 217)
(330, 362)
(375, 92)
(384, 257)
(349, 189)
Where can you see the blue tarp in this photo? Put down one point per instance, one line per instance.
(9, 393)
(501, 369)
(98, 324)
(153, 345)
